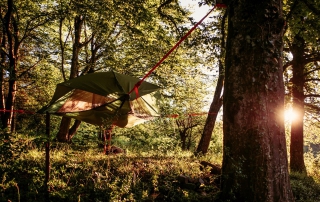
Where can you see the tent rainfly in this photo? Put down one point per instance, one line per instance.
(102, 99)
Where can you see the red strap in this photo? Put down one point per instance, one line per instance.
(191, 114)
(136, 88)
(172, 49)
(21, 111)
(173, 116)
(221, 5)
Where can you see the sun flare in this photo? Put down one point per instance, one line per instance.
(290, 114)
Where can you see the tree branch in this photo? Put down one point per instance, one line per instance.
(312, 79)
(311, 7)
(312, 58)
(313, 70)
(168, 17)
(312, 95)
(314, 107)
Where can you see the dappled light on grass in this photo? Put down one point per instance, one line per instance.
(34, 154)
(82, 172)
(79, 172)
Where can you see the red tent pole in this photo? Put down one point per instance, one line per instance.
(47, 146)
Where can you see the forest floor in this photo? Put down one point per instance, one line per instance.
(84, 173)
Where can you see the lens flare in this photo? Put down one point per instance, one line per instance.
(290, 114)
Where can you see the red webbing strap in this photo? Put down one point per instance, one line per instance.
(20, 111)
(221, 5)
(136, 86)
(191, 114)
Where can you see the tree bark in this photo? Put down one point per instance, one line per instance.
(10, 29)
(183, 138)
(65, 134)
(217, 99)
(3, 64)
(296, 145)
(212, 116)
(255, 165)
(62, 135)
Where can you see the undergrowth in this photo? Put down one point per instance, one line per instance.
(80, 172)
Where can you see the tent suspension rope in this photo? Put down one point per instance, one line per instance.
(137, 85)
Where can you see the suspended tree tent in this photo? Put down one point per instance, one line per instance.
(102, 98)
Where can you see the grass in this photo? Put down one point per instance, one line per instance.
(80, 172)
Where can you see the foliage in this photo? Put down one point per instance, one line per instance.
(305, 188)
(147, 172)
(11, 147)
(81, 172)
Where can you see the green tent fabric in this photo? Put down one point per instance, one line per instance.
(102, 98)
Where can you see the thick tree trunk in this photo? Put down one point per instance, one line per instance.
(74, 128)
(65, 134)
(255, 165)
(296, 145)
(212, 116)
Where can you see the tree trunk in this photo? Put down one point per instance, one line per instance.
(11, 99)
(185, 130)
(12, 33)
(3, 64)
(63, 134)
(2, 101)
(183, 138)
(73, 129)
(255, 165)
(183, 134)
(217, 99)
(296, 145)
(212, 116)
(189, 139)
